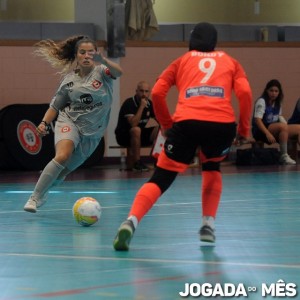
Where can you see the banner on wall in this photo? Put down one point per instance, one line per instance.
(20, 146)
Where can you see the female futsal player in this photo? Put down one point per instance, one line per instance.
(81, 104)
(204, 118)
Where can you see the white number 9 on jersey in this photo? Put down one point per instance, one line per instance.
(207, 66)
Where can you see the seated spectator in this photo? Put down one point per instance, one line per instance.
(132, 130)
(294, 123)
(268, 124)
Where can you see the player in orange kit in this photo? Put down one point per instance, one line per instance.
(204, 118)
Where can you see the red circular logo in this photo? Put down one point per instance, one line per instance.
(28, 137)
(65, 129)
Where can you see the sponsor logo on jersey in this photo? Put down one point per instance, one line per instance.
(210, 91)
(86, 98)
(97, 84)
(66, 129)
(87, 107)
(107, 72)
(70, 84)
(28, 137)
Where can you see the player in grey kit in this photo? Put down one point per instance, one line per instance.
(81, 104)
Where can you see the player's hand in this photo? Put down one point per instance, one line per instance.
(99, 57)
(144, 102)
(43, 129)
(241, 140)
(271, 139)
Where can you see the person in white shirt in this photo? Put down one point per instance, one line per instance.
(268, 124)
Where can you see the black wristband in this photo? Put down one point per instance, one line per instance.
(46, 125)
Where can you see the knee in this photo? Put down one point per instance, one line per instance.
(62, 157)
(163, 178)
(135, 132)
(283, 127)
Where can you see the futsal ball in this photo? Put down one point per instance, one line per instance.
(86, 211)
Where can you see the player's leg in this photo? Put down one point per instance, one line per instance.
(214, 150)
(82, 152)
(64, 150)
(211, 194)
(144, 200)
(66, 139)
(163, 176)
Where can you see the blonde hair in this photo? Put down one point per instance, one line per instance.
(62, 54)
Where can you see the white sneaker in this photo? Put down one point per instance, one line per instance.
(285, 159)
(31, 205)
(42, 201)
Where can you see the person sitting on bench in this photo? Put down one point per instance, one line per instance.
(268, 124)
(132, 130)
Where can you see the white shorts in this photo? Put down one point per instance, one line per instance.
(84, 146)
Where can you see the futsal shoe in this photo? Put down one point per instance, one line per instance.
(124, 235)
(42, 201)
(207, 234)
(31, 205)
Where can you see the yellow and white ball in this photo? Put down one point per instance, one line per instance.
(87, 211)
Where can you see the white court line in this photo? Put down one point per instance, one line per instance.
(60, 192)
(156, 205)
(61, 209)
(153, 260)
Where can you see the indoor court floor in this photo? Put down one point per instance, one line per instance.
(47, 255)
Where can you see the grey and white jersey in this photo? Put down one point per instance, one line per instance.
(86, 101)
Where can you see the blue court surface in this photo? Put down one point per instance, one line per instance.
(47, 255)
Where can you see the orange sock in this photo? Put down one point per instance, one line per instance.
(211, 192)
(144, 200)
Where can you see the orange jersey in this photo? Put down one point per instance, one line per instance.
(205, 82)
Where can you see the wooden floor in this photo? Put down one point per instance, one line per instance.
(48, 256)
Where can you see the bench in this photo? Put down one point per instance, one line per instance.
(242, 158)
(125, 159)
(292, 147)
